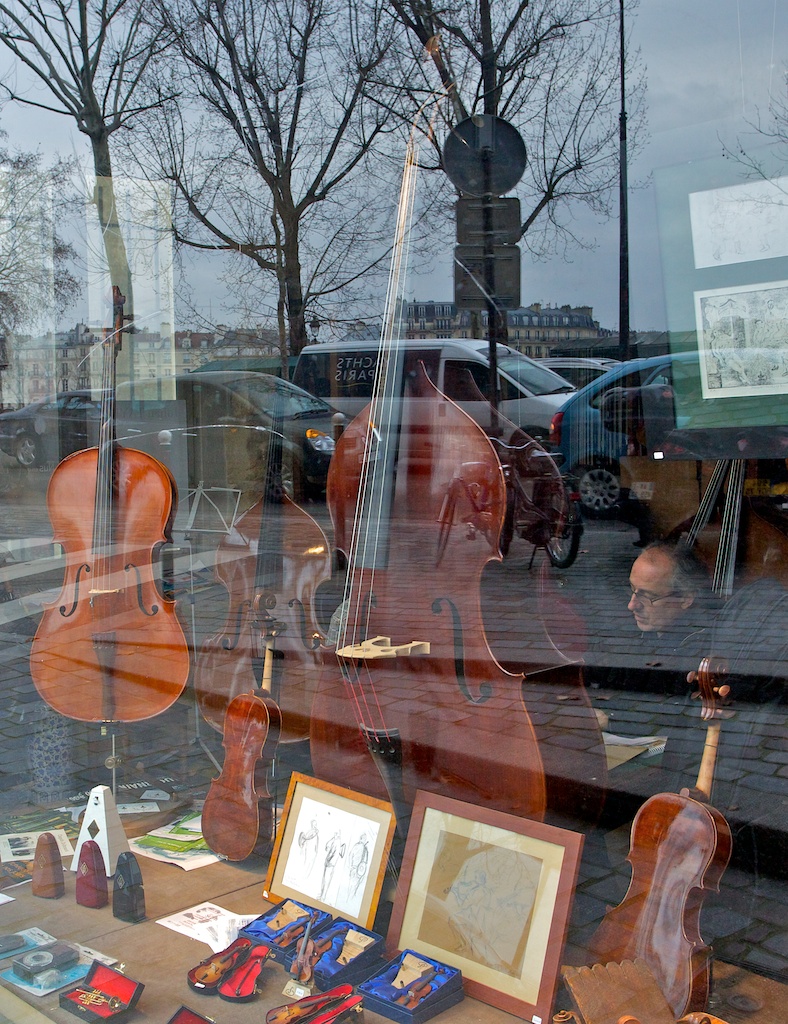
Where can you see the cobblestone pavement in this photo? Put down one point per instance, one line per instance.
(536, 617)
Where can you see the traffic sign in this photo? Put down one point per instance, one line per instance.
(472, 289)
(504, 221)
(484, 155)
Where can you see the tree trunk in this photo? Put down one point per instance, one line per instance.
(114, 245)
(294, 289)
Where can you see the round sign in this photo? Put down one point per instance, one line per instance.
(484, 155)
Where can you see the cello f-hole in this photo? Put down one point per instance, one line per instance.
(131, 567)
(310, 643)
(485, 689)
(73, 608)
(230, 644)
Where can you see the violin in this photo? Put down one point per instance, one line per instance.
(231, 814)
(413, 698)
(208, 973)
(271, 564)
(301, 967)
(679, 849)
(413, 994)
(110, 648)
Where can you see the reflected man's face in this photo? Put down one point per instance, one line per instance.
(655, 602)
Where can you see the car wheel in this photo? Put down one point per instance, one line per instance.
(26, 451)
(599, 489)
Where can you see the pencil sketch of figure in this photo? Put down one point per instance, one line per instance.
(309, 842)
(358, 863)
(357, 866)
(335, 849)
(489, 906)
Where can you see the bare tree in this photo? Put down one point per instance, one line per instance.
(36, 278)
(275, 164)
(550, 68)
(90, 56)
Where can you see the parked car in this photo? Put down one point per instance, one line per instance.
(592, 441)
(213, 428)
(216, 429)
(579, 370)
(48, 430)
(344, 373)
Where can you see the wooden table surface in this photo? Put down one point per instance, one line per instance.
(160, 957)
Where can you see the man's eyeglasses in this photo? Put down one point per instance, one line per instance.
(648, 599)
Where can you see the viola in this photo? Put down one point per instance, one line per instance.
(231, 814)
(413, 697)
(110, 648)
(271, 564)
(680, 846)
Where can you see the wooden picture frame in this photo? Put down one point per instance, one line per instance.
(331, 849)
(489, 893)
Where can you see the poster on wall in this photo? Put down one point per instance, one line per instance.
(723, 228)
(743, 340)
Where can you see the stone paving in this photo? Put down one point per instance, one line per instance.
(537, 618)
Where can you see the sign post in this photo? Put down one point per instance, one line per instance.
(484, 156)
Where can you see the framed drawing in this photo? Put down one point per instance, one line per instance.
(331, 849)
(489, 893)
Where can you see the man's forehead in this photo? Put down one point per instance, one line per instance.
(654, 566)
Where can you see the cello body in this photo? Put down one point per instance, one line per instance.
(679, 850)
(110, 648)
(230, 662)
(231, 813)
(450, 721)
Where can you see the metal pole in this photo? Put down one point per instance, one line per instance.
(623, 261)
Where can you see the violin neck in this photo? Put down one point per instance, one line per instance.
(705, 782)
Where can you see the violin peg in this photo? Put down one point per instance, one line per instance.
(722, 691)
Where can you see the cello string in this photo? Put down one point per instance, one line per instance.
(377, 461)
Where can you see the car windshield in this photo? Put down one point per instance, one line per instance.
(537, 379)
(261, 391)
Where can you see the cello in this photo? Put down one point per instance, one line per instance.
(110, 648)
(413, 697)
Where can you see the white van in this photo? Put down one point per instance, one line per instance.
(343, 373)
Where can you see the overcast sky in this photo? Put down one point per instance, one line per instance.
(711, 67)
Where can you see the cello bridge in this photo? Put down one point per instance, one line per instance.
(382, 647)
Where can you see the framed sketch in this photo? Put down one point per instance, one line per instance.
(331, 849)
(489, 893)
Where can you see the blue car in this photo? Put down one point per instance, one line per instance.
(582, 432)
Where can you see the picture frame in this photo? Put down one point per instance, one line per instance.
(331, 849)
(489, 893)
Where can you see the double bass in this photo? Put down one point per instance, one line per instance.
(413, 697)
(110, 648)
